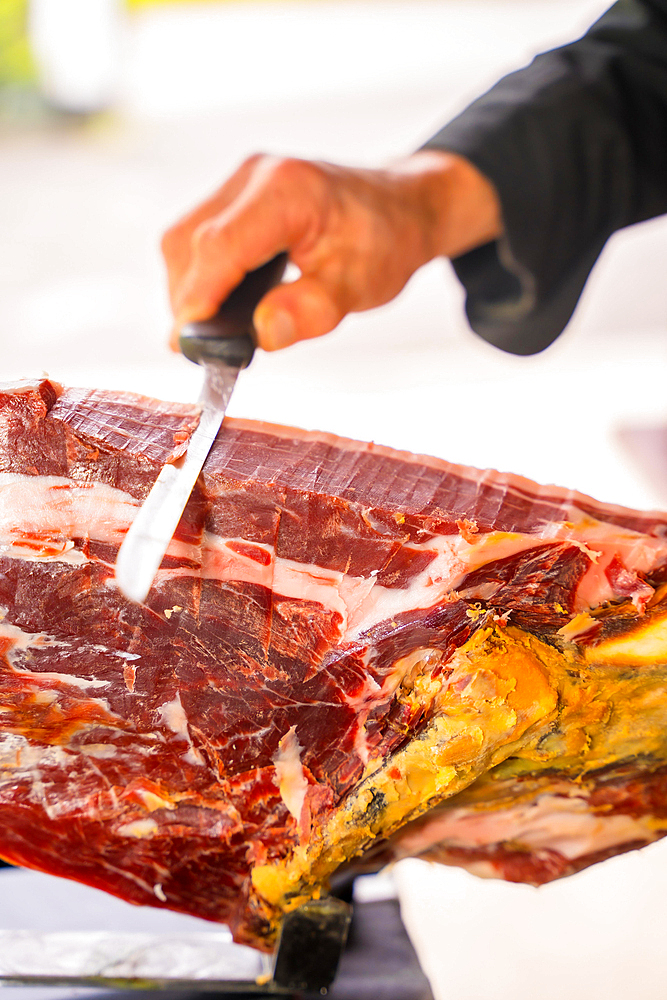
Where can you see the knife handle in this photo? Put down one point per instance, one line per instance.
(229, 336)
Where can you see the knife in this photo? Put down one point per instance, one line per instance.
(224, 345)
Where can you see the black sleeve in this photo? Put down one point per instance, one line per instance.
(576, 146)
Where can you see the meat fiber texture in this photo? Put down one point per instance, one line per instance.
(349, 655)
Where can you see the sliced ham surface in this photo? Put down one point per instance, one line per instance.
(349, 655)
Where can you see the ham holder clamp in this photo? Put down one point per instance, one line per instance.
(378, 961)
(311, 942)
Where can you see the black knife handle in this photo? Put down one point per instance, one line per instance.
(229, 336)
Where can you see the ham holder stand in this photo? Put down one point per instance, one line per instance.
(330, 946)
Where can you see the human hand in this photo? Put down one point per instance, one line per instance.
(356, 235)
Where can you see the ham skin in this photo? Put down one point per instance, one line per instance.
(349, 655)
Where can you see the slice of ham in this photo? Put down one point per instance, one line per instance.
(349, 652)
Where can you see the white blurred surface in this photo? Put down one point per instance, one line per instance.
(83, 297)
(76, 45)
(598, 935)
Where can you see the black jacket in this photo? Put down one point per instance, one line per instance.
(576, 145)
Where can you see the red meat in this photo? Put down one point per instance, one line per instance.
(326, 611)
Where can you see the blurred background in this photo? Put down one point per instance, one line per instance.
(117, 117)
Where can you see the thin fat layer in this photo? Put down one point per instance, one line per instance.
(563, 823)
(44, 518)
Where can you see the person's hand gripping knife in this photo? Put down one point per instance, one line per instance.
(355, 235)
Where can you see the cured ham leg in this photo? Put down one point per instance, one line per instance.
(350, 654)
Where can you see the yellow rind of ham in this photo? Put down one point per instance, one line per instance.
(509, 705)
(501, 687)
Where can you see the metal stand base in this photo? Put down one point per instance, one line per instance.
(377, 963)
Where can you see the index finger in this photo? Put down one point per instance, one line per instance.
(176, 243)
(272, 213)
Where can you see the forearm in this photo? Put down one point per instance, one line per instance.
(356, 235)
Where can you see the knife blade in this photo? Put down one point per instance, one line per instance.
(224, 345)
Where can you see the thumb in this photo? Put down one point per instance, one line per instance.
(296, 311)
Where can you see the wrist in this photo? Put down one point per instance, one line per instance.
(458, 207)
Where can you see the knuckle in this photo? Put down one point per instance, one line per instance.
(285, 177)
(284, 166)
(290, 171)
(253, 161)
(207, 236)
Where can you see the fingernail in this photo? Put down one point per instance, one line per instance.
(275, 328)
(174, 337)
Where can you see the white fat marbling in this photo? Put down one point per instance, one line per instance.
(45, 513)
(292, 781)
